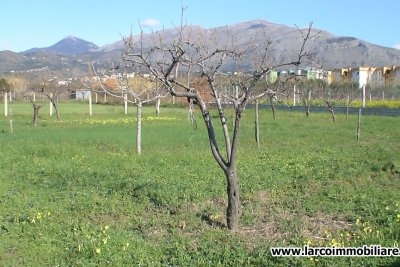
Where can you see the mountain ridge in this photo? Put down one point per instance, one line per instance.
(68, 46)
(326, 49)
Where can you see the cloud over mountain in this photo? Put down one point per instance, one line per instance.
(150, 22)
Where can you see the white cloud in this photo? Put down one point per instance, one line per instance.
(397, 46)
(150, 22)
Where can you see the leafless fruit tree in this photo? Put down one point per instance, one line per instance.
(206, 56)
(52, 89)
(36, 109)
(52, 94)
(138, 91)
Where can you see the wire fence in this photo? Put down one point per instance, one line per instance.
(338, 110)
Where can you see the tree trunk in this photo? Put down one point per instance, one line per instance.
(233, 209)
(272, 106)
(333, 114)
(331, 110)
(35, 119)
(308, 102)
(139, 128)
(53, 102)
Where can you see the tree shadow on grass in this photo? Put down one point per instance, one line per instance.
(204, 217)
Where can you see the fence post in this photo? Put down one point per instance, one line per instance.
(363, 96)
(5, 104)
(90, 104)
(126, 102)
(359, 124)
(294, 95)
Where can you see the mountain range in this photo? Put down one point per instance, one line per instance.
(69, 56)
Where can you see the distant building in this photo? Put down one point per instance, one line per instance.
(342, 75)
(82, 94)
(362, 75)
(391, 76)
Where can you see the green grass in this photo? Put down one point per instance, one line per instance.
(74, 193)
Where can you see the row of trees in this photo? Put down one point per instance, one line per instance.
(182, 68)
(191, 67)
(20, 87)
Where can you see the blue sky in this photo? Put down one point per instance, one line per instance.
(41, 23)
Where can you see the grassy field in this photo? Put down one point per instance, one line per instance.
(74, 192)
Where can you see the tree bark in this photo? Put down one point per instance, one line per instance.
(331, 110)
(35, 119)
(308, 102)
(333, 114)
(53, 102)
(272, 106)
(232, 189)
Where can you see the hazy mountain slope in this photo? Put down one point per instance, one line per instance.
(325, 49)
(10, 60)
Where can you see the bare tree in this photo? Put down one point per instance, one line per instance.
(36, 109)
(330, 109)
(208, 56)
(53, 97)
(142, 93)
(52, 90)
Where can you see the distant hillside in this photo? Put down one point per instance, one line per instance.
(11, 61)
(68, 46)
(326, 49)
(71, 55)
